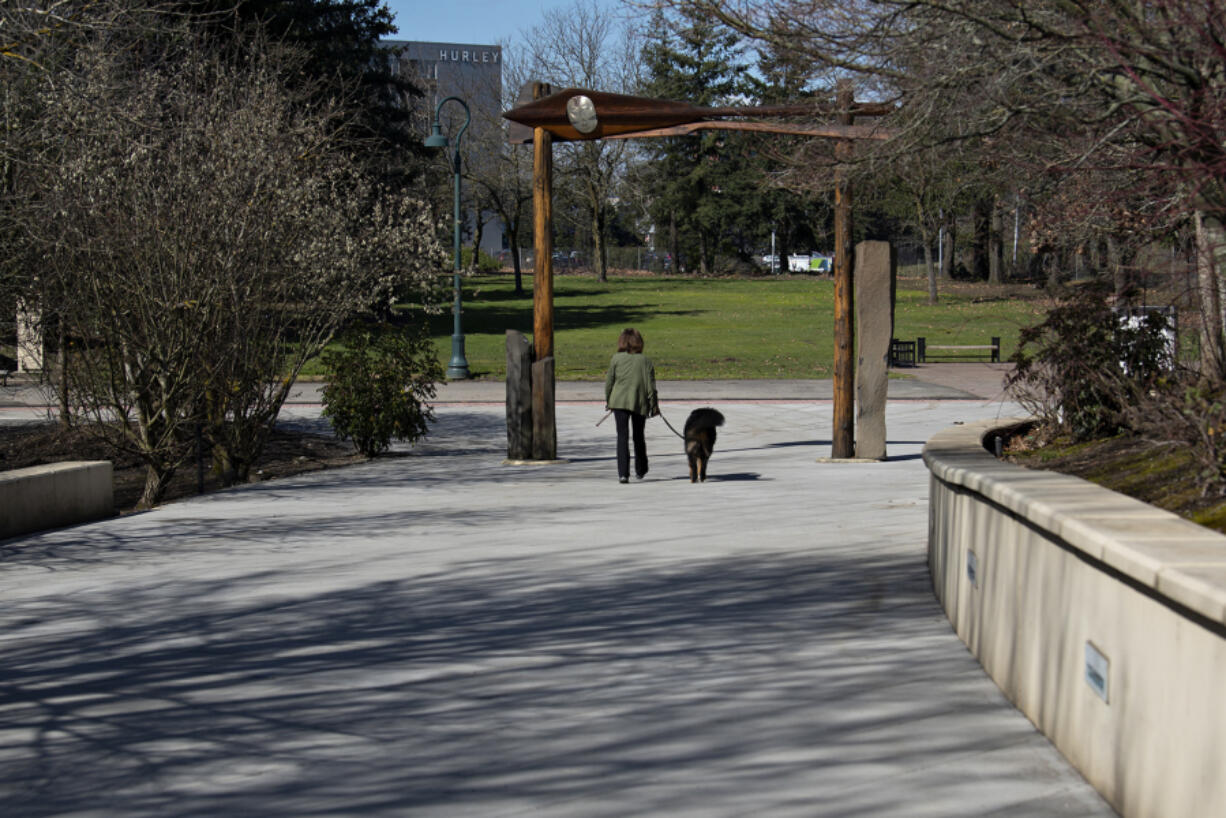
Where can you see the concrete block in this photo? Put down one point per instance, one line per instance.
(54, 495)
(1101, 618)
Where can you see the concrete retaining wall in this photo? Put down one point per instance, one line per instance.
(1102, 618)
(55, 495)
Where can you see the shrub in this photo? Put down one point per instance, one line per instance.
(1081, 368)
(1190, 414)
(1089, 375)
(485, 262)
(378, 386)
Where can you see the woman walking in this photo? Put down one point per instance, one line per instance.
(630, 391)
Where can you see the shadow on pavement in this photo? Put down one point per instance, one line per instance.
(501, 682)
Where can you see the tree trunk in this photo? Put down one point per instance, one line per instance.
(478, 231)
(1210, 253)
(155, 486)
(673, 244)
(1053, 260)
(996, 245)
(926, 238)
(513, 241)
(932, 271)
(65, 411)
(223, 464)
(981, 224)
(600, 261)
(1118, 270)
(947, 253)
(1012, 271)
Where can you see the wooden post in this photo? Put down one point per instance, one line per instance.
(544, 420)
(843, 430)
(519, 397)
(544, 430)
(542, 213)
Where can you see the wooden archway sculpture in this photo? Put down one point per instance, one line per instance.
(574, 114)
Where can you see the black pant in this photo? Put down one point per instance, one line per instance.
(624, 419)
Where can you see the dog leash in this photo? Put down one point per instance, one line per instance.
(669, 425)
(661, 414)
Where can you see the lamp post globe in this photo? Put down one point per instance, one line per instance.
(457, 367)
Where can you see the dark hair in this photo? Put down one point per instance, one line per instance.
(630, 341)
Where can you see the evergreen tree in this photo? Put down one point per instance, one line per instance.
(707, 198)
(801, 219)
(344, 57)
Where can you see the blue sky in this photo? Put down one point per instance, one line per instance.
(479, 22)
(475, 22)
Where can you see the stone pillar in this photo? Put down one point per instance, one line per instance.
(30, 347)
(876, 264)
(519, 396)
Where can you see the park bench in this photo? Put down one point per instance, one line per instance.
(7, 367)
(923, 350)
(902, 353)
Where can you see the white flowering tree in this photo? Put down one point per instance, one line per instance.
(203, 231)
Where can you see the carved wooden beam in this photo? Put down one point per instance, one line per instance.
(826, 131)
(578, 114)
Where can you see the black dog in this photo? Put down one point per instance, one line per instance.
(700, 440)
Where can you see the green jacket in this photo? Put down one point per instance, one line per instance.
(631, 384)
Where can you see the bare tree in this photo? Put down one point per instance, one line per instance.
(1124, 99)
(498, 175)
(582, 46)
(203, 231)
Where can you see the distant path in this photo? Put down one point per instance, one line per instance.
(940, 381)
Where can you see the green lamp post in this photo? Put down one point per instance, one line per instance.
(457, 367)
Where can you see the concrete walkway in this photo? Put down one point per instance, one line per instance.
(438, 634)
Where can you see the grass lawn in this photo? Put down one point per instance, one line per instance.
(713, 328)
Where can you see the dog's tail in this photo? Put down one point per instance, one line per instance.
(704, 418)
